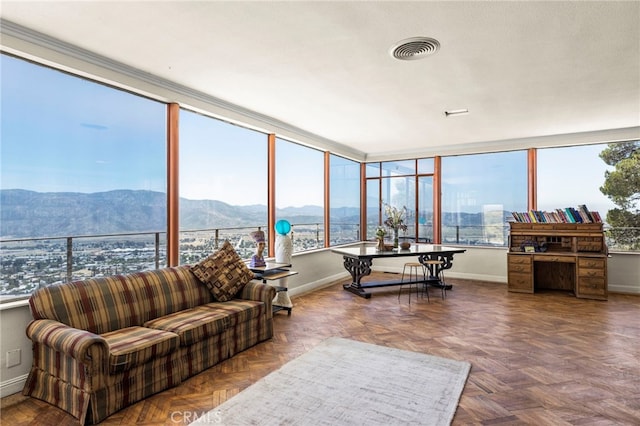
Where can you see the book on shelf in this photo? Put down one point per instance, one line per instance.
(581, 214)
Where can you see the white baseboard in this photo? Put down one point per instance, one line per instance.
(461, 275)
(306, 288)
(625, 289)
(316, 285)
(477, 277)
(11, 386)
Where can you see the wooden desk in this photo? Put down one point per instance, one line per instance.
(575, 259)
(359, 258)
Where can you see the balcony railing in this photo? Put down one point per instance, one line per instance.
(29, 263)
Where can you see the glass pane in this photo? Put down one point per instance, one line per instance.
(400, 192)
(479, 192)
(373, 208)
(398, 168)
(425, 209)
(556, 191)
(78, 158)
(223, 186)
(372, 170)
(344, 200)
(425, 166)
(300, 193)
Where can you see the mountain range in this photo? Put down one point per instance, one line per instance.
(30, 214)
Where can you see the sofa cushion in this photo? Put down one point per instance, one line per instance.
(98, 305)
(167, 290)
(223, 272)
(237, 310)
(132, 346)
(192, 325)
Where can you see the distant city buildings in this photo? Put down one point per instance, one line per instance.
(27, 265)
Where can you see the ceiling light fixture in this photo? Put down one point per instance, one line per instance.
(414, 48)
(453, 112)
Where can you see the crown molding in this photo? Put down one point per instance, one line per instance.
(625, 134)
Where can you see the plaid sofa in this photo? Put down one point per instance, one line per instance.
(102, 344)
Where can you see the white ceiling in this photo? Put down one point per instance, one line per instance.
(522, 69)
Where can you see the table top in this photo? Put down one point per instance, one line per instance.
(369, 250)
(270, 266)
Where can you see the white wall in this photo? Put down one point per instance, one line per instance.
(14, 318)
(623, 271)
(316, 269)
(486, 264)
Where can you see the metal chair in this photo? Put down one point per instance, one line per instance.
(413, 277)
(439, 276)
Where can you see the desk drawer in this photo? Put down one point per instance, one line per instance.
(519, 263)
(519, 258)
(591, 263)
(592, 288)
(593, 273)
(519, 267)
(521, 283)
(553, 258)
(589, 244)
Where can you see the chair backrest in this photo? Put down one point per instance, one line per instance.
(110, 303)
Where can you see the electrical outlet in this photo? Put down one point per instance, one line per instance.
(13, 357)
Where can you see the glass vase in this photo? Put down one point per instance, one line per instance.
(395, 238)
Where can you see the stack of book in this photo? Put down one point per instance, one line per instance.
(581, 214)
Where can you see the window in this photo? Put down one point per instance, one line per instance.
(78, 160)
(223, 186)
(400, 192)
(372, 170)
(392, 183)
(373, 207)
(478, 193)
(559, 187)
(398, 168)
(344, 200)
(425, 199)
(425, 208)
(300, 193)
(425, 166)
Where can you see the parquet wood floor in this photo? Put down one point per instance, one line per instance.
(543, 359)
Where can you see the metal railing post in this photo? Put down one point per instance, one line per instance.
(69, 259)
(157, 250)
(292, 237)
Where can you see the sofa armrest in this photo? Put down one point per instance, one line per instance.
(84, 346)
(258, 291)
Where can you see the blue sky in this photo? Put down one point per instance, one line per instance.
(572, 176)
(65, 134)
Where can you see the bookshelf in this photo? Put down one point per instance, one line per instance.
(581, 214)
(558, 256)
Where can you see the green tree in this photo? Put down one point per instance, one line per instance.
(622, 186)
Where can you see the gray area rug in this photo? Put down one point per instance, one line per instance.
(344, 382)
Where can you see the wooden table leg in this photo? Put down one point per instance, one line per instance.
(358, 268)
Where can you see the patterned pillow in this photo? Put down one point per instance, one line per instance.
(223, 272)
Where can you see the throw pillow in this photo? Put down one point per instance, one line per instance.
(223, 272)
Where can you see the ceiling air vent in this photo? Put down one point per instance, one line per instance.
(415, 48)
